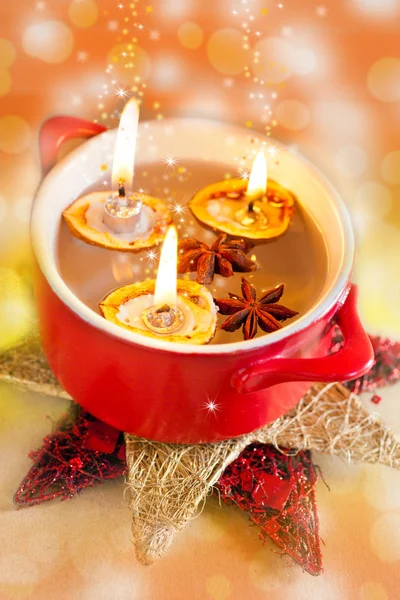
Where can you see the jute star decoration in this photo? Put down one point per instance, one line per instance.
(267, 473)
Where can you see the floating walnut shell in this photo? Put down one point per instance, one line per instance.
(76, 218)
(194, 297)
(219, 204)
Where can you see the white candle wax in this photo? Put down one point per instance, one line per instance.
(131, 314)
(143, 228)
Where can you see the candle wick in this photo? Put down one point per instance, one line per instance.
(250, 207)
(121, 188)
(164, 308)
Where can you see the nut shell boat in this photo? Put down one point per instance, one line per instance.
(217, 204)
(191, 294)
(76, 218)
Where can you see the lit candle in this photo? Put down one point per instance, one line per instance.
(171, 308)
(257, 184)
(164, 316)
(124, 220)
(165, 292)
(123, 209)
(250, 209)
(253, 214)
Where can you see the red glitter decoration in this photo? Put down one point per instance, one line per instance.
(100, 437)
(376, 399)
(277, 491)
(386, 367)
(82, 452)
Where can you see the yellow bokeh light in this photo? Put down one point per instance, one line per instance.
(141, 64)
(15, 134)
(83, 13)
(390, 167)
(190, 35)
(377, 262)
(7, 53)
(16, 308)
(5, 82)
(225, 52)
(383, 79)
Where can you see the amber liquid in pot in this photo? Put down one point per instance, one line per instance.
(298, 258)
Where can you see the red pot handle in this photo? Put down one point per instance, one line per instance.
(353, 360)
(57, 130)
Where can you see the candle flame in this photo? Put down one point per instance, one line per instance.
(257, 185)
(165, 292)
(125, 146)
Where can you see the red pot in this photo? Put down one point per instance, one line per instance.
(181, 393)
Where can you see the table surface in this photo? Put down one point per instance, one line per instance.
(82, 548)
(337, 102)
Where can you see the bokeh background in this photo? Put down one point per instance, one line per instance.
(322, 77)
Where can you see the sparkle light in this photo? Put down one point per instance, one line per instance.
(211, 406)
(170, 161)
(178, 208)
(121, 92)
(272, 150)
(112, 25)
(151, 255)
(82, 56)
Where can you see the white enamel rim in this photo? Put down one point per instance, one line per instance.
(44, 236)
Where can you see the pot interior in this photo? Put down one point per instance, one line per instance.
(319, 266)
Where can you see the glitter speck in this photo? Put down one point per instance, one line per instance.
(151, 255)
(170, 161)
(178, 208)
(211, 406)
(121, 92)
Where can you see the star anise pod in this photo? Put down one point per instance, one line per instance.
(251, 311)
(223, 258)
